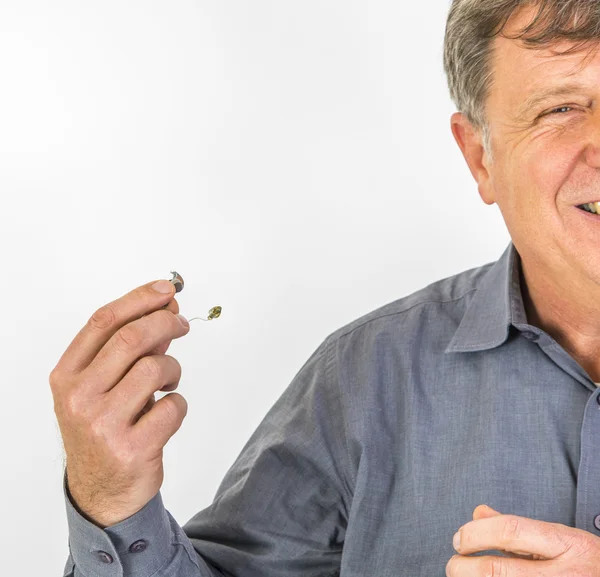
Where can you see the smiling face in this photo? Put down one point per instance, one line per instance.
(547, 154)
(546, 160)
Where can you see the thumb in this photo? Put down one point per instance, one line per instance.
(483, 511)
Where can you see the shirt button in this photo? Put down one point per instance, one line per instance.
(138, 546)
(597, 522)
(529, 336)
(104, 557)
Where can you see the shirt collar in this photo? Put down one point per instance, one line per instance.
(496, 305)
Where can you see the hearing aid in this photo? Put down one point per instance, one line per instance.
(177, 282)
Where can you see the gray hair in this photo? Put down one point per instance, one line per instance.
(468, 45)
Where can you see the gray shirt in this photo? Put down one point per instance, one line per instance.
(397, 426)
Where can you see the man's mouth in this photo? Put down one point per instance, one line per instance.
(593, 207)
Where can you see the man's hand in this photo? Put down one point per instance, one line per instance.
(537, 548)
(103, 387)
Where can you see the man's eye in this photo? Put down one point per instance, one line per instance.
(559, 108)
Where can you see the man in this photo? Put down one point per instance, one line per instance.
(479, 389)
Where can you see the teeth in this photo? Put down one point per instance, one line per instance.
(592, 207)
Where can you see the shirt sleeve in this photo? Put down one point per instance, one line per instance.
(149, 543)
(282, 509)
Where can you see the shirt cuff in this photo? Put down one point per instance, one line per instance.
(137, 546)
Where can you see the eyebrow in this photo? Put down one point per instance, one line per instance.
(539, 97)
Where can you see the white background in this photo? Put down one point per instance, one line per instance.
(292, 160)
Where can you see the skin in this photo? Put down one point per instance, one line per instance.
(103, 386)
(543, 166)
(532, 547)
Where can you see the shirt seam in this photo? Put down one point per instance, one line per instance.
(406, 310)
(330, 377)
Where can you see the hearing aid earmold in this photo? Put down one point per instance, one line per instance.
(177, 280)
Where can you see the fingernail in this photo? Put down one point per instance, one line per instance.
(183, 321)
(163, 286)
(456, 540)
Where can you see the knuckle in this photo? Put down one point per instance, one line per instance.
(171, 319)
(98, 428)
(579, 542)
(128, 338)
(125, 456)
(103, 318)
(105, 432)
(81, 408)
(496, 567)
(58, 379)
(73, 406)
(54, 378)
(511, 530)
(149, 367)
(173, 306)
(117, 449)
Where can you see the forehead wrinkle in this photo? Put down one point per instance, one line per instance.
(588, 51)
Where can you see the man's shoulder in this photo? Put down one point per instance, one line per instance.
(449, 292)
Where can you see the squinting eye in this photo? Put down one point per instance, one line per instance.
(559, 108)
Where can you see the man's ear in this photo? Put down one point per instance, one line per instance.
(470, 144)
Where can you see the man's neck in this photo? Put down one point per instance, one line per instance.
(569, 320)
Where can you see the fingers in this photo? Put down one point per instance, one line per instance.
(164, 347)
(103, 387)
(173, 306)
(148, 375)
(516, 534)
(127, 345)
(147, 407)
(161, 349)
(161, 422)
(106, 321)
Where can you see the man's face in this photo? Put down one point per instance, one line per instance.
(546, 158)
